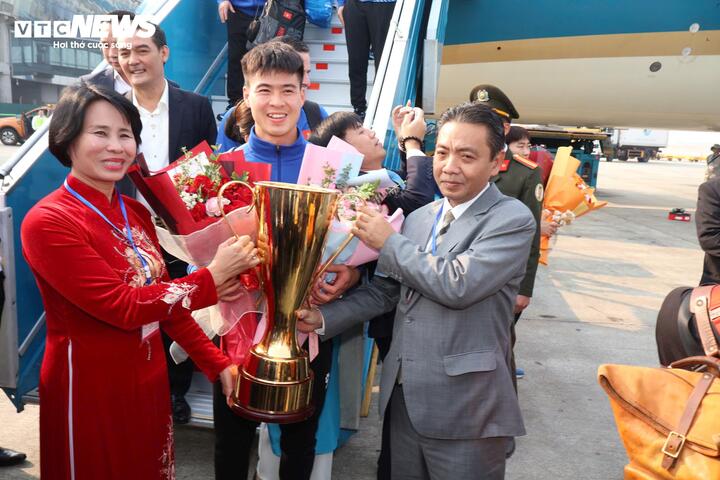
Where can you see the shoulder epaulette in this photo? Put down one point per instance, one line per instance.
(525, 161)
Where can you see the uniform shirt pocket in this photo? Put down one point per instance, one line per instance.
(460, 363)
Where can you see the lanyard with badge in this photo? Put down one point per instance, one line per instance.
(151, 327)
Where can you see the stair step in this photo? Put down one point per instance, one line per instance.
(335, 72)
(330, 109)
(329, 83)
(200, 399)
(331, 93)
(327, 52)
(334, 33)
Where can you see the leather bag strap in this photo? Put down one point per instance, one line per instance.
(700, 307)
(676, 439)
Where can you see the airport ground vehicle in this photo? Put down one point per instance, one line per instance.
(642, 144)
(15, 130)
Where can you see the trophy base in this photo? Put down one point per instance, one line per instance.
(272, 417)
(272, 402)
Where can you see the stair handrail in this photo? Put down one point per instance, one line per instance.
(432, 53)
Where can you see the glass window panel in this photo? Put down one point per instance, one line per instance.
(55, 56)
(82, 58)
(68, 57)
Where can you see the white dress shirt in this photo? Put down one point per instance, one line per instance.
(155, 133)
(120, 85)
(155, 137)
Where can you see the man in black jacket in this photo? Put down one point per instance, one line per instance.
(172, 118)
(707, 223)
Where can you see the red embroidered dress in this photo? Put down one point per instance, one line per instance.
(104, 394)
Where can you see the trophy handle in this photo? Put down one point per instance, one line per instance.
(345, 242)
(250, 209)
(220, 199)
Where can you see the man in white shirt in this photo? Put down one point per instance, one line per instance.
(172, 119)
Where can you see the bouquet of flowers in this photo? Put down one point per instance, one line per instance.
(567, 196)
(338, 167)
(185, 196)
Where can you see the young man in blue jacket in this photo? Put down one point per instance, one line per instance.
(311, 114)
(274, 93)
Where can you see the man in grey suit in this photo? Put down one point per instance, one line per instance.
(453, 274)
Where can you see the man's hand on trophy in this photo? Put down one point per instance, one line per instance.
(228, 379)
(371, 228)
(233, 257)
(309, 320)
(345, 278)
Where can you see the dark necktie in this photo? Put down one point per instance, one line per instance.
(447, 220)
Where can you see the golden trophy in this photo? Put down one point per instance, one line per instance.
(275, 382)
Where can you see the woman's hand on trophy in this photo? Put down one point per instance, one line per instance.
(309, 320)
(228, 378)
(345, 278)
(233, 257)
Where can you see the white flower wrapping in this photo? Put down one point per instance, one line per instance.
(199, 248)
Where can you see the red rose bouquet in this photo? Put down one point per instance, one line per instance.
(185, 196)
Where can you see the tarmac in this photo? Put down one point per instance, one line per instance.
(596, 302)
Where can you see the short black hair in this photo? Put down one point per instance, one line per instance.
(159, 38)
(297, 45)
(272, 57)
(336, 125)
(477, 114)
(516, 133)
(69, 116)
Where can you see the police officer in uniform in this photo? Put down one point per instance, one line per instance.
(518, 178)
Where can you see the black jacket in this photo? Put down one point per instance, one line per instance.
(191, 120)
(103, 78)
(707, 222)
(419, 189)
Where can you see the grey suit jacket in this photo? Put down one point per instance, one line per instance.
(454, 310)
